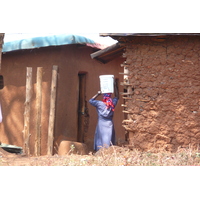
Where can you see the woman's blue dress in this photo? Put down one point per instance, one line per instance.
(105, 132)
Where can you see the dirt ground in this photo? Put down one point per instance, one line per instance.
(112, 156)
(11, 159)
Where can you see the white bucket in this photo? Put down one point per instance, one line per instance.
(107, 83)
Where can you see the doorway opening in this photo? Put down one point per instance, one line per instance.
(83, 116)
(1, 82)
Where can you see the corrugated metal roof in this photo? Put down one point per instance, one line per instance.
(55, 40)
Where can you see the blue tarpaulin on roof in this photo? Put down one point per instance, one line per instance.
(54, 40)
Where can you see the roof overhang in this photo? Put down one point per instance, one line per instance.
(158, 37)
(46, 41)
(145, 34)
(109, 53)
(121, 37)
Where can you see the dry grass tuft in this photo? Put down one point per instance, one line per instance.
(112, 156)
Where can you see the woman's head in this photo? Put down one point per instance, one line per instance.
(107, 95)
(108, 101)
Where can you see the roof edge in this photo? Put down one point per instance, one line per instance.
(100, 52)
(145, 34)
(46, 41)
(108, 54)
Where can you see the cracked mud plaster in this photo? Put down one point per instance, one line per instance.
(165, 106)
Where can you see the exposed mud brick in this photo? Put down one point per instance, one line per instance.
(166, 102)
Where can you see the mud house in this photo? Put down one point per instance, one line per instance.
(77, 81)
(162, 89)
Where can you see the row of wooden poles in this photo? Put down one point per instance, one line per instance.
(29, 91)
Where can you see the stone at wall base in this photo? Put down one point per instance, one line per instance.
(70, 147)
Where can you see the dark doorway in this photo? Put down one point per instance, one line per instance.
(1, 82)
(81, 107)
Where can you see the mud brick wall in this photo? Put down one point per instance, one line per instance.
(164, 109)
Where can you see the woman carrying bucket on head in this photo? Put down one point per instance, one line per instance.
(105, 132)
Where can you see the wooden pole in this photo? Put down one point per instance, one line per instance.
(38, 111)
(27, 110)
(1, 45)
(52, 110)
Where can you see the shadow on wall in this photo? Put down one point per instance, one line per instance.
(12, 102)
(12, 124)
